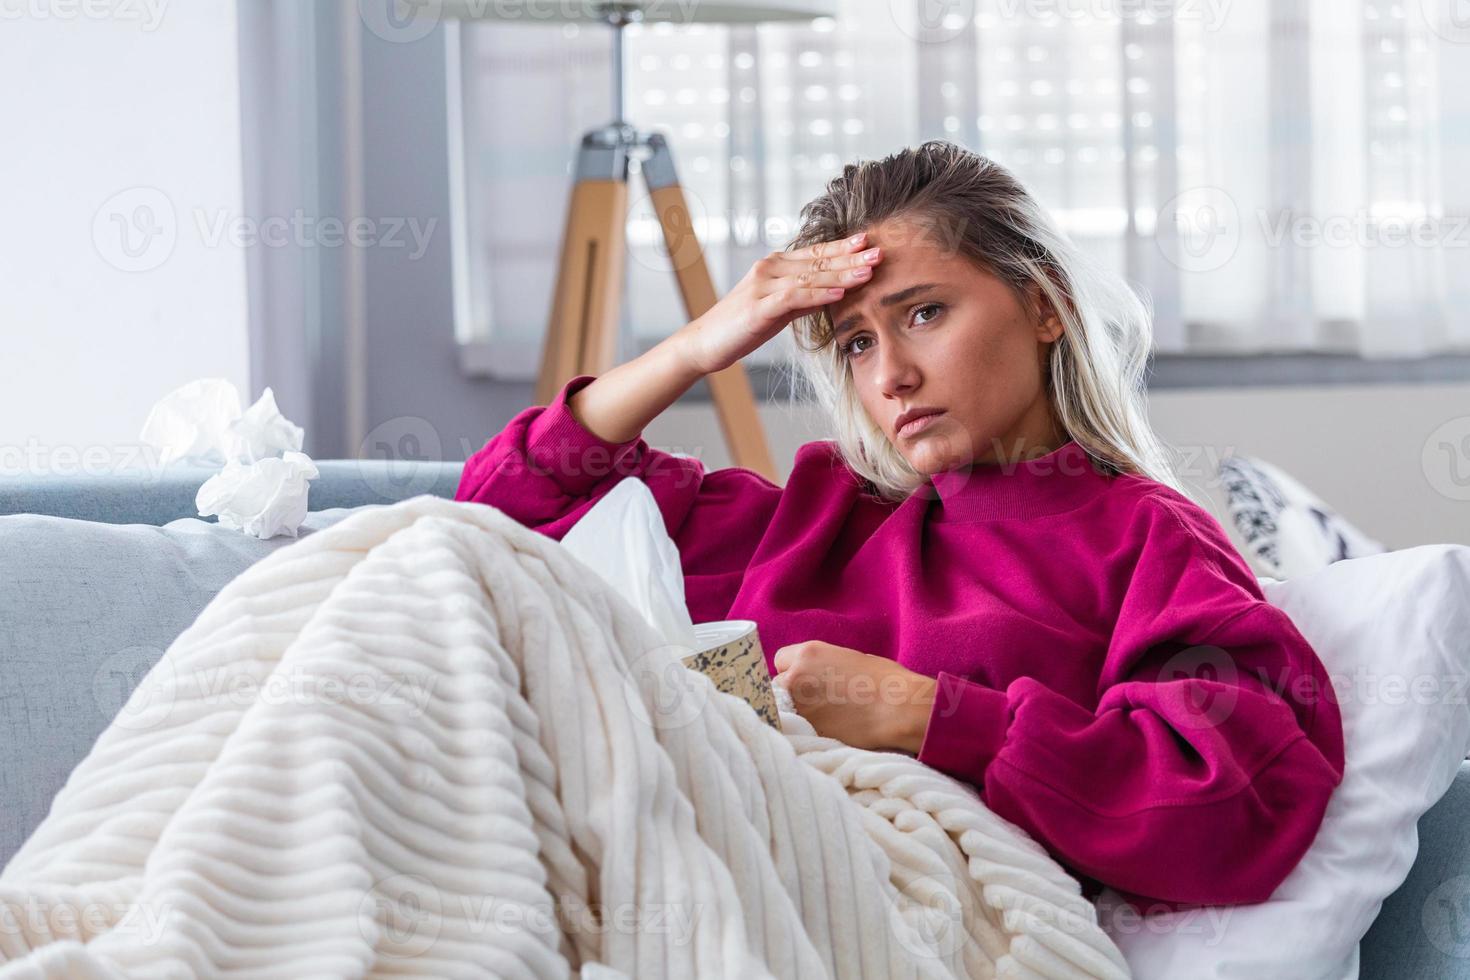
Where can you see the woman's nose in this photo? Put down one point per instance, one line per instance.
(896, 373)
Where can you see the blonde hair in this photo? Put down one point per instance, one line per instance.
(1094, 370)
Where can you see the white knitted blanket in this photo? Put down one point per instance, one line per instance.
(427, 741)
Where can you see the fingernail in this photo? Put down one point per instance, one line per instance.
(871, 253)
(857, 238)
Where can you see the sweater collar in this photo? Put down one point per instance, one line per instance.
(1058, 481)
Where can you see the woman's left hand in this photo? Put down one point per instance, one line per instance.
(865, 701)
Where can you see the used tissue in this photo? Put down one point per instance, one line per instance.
(262, 432)
(264, 498)
(623, 539)
(201, 422)
(259, 491)
(189, 423)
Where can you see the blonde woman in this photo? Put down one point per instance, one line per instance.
(992, 566)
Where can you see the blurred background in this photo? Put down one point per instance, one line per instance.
(359, 203)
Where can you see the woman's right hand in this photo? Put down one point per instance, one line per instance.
(777, 289)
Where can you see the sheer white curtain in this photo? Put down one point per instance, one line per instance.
(1273, 175)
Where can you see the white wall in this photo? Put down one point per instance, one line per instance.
(1372, 452)
(114, 114)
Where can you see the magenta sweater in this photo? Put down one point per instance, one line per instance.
(1111, 677)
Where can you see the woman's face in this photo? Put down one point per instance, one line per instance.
(932, 330)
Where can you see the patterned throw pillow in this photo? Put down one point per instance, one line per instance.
(1287, 529)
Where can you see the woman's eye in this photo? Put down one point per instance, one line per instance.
(850, 350)
(931, 306)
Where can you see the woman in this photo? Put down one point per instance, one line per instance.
(992, 567)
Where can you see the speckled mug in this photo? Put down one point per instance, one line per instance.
(731, 656)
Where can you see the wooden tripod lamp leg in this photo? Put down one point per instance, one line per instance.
(733, 397)
(582, 335)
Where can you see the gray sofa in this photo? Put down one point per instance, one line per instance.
(101, 573)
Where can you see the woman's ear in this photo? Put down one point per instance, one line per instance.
(1049, 325)
(1052, 327)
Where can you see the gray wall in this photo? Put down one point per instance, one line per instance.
(358, 343)
(416, 393)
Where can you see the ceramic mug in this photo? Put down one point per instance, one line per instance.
(731, 656)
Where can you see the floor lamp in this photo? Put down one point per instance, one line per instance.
(582, 334)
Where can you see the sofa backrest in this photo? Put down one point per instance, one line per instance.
(147, 495)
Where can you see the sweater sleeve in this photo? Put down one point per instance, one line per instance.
(1202, 773)
(546, 470)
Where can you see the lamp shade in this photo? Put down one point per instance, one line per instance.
(653, 11)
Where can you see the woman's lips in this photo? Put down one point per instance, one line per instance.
(918, 425)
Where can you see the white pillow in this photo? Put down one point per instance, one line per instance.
(1391, 630)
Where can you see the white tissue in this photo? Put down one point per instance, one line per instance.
(257, 491)
(262, 432)
(201, 422)
(623, 539)
(190, 422)
(264, 498)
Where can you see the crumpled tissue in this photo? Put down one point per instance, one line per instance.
(201, 422)
(259, 491)
(623, 539)
(264, 498)
(262, 432)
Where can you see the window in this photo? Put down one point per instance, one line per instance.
(1273, 177)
